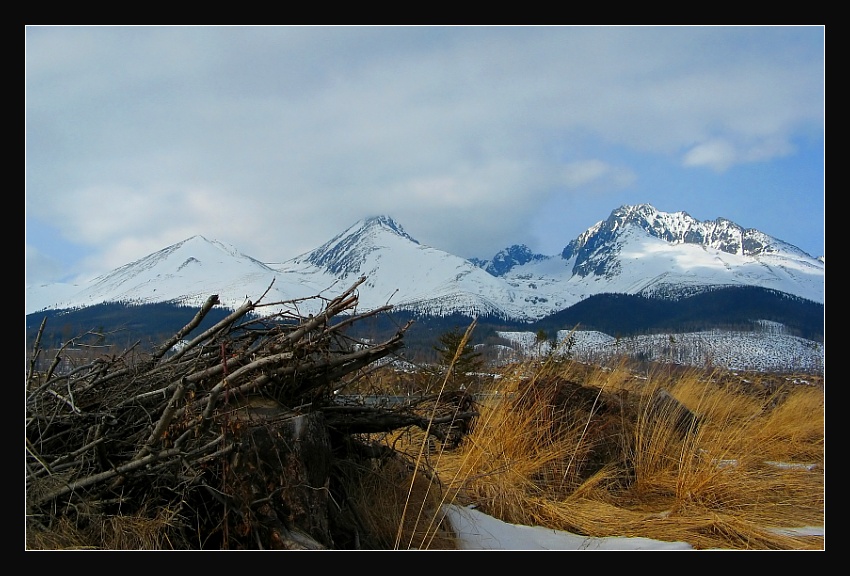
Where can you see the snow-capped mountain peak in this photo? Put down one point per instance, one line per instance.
(594, 250)
(637, 250)
(178, 260)
(681, 228)
(346, 253)
(187, 272)
(401, 271)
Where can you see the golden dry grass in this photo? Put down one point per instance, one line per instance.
(395, 508)
(605, 464)
(147, 530)
(755, 462)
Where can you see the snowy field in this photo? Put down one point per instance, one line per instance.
(766, 351)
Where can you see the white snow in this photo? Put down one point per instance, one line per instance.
(412, 276)
(766, 351)
(478, 531)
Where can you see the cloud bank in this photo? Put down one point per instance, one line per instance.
(276, 138)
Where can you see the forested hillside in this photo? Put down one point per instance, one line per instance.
(620, 315)
(735, 308)
(115, 323)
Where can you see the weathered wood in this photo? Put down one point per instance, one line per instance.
(238, 425)
(279, 482)
(369, 420)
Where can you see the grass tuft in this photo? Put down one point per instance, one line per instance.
(675, 455)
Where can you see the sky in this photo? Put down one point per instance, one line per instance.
(274, 139)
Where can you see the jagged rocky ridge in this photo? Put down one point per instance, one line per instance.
(593, 248)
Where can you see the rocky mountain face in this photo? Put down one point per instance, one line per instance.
(595, 250)
(637, 250)
(347, 253)
(640, 250)
(505, 260)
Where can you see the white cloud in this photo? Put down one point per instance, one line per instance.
(719, 154)
(716, 154)
(596, 173)
(276, 138)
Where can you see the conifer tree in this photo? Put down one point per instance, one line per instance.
(460, 356)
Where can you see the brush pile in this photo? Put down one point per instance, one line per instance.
(228, 437)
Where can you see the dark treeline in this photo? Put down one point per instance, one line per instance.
(422, 338)
(115, 323)
(734, 308)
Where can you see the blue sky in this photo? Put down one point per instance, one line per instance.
(275, 139)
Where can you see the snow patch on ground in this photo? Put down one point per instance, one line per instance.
(769, 350)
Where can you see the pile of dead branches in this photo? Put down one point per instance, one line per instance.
(177, 428)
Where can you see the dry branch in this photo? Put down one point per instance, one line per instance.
(165, 429)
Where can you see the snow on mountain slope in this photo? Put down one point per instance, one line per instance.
(770, 350)
(680, 228)
(637, 250)
(403, 272)
(649, 265)
(186, 273)
(43, 296)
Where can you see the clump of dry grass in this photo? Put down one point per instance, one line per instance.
(751, 461)
(146, 530)
(391, 506)
(579, 448)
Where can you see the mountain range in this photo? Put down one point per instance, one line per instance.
(637, 250)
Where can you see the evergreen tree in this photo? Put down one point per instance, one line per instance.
(460, 356)
(540, 338)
